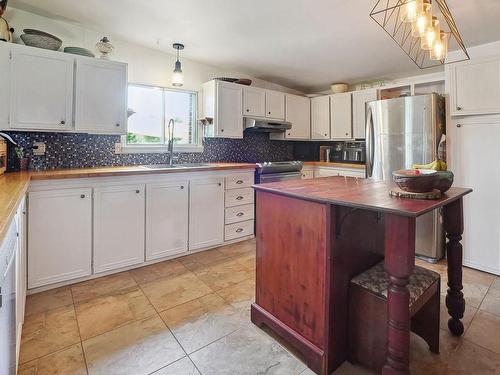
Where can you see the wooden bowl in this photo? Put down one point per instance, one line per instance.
(444, 181)
(415, 180)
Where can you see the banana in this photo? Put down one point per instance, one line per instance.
(437, 165)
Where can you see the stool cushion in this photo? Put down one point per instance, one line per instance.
(376, 281)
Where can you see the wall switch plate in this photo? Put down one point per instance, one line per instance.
(118, 148)
(39, 148)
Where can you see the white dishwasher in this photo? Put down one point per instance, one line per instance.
(8, 250)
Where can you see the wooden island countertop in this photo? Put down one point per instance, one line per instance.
(315, 235)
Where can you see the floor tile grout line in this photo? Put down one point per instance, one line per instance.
(79, 332)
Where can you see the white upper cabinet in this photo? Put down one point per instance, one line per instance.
(341, 115)
(298, 112)
(4, 85)
(41, 90)
(167, 207)
(254, 102)
(320, 117)
(119, 216)
(475, 87)
(59, 236)
(359, 100)
(222, 101)
(206, 213)
(275, 105)
(101, 96)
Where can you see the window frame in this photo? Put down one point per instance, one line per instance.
(196, 146)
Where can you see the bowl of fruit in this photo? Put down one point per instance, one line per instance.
(416, 180)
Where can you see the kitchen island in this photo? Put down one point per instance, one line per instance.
(314, 235)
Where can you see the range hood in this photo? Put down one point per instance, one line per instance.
(266, 126)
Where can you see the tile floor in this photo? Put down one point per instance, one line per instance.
(190, 316)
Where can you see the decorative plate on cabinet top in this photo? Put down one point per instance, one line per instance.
(226, 79)
(79, 51)
(42, 33)
(41, 41)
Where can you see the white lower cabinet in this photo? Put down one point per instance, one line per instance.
(119, 216)
(167, 219)
(21, 273)
(59, 236)
(206, 212)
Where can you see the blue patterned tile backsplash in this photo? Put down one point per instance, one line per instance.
(65, 150)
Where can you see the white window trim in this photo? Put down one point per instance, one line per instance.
(125, 148)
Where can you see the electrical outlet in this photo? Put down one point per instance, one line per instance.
(39, 148)
(118, 148)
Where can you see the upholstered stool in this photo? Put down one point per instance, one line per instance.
(368, 313)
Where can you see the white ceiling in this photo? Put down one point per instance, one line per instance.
(302, 44)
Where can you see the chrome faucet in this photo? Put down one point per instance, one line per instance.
(170, 146)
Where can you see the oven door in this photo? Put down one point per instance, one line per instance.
(275, 177)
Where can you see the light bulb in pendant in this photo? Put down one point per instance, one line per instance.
(177, 77)
(432, 33)
(439, 50)
(423, 20)
(410, 10)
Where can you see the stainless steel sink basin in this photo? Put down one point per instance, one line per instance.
(168, 166)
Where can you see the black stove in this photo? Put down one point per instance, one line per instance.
(278, 171)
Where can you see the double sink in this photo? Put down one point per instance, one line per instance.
(183, 165)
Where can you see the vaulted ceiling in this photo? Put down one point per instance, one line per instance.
(303, 44)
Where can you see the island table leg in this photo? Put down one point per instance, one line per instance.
(454, 226)
(399, 264)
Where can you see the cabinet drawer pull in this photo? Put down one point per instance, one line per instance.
(268, 113)
(182, 187)
(240, 214)
(63, 122)
(239, 198)
(117, 125)
(82, 196)
(220, 183)
(459, 108)
(248, 110)
(137, 191)
(459, 125)
(239, 182)
(239, 230)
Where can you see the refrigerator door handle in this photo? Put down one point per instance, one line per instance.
(370, 139)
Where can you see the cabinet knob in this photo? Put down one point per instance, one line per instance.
(239, 230)
(118, 125)
(137, 191)
(239, 198)
(82, 196)
(247, 110)
(346, 133)
(220, 183)
(222, 130)
(240, 214)
(239, 182)
(63, 122)
(459, 125)
(268, 113)
(326, 135)
(459, 108)
(182, 187)
(288, 134)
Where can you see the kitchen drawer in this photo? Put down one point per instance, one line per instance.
(239, 181)
(237, 230)
(239, 197)
(240, 213)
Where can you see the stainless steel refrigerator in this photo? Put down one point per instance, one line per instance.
(401, 132)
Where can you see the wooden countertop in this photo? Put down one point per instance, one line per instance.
(358, 193)
(333, 165)
(14, 185)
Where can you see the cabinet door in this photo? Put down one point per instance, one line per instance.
(229, 118)
(254, 102)
(42, 90)
(298, 112)
(118, 226)
(167, 207)
(101, 96)
(275, 105)
(59, 236)
(5, 86)
(21, 272)
(475, 87)
(320, 117)
(359, 100)
(341, 115)
(473, 144)
(206, 213)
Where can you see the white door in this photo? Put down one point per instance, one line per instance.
(206, 213)
(41, 90)
(229, 116)
(298, 112)
(475, 87)
(119, 215)
(254, 102)
(59, 236)
(275, 105)
(4, 87)
(101, 96)
(341, 115)
(359, 100)
(167, 208)
(473, 143)
(320, 117)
